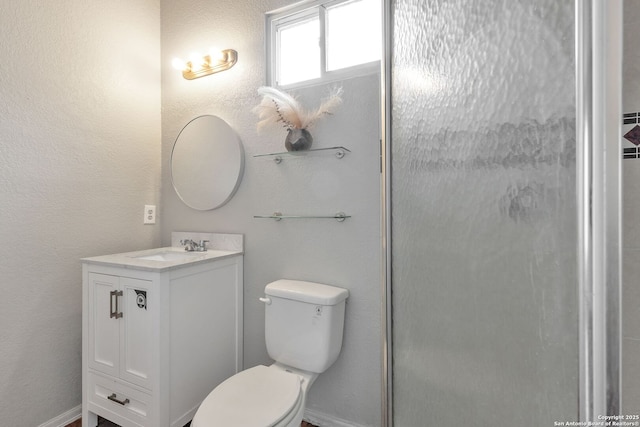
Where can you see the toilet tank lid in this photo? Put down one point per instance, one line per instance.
(309, 292)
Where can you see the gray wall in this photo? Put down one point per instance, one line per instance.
(343, 254)
(79, 158)
(83, 149)
(80, 155)
(631, 211)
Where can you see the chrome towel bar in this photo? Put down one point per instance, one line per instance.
(340, 216)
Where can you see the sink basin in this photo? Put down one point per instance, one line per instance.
(163, 258)
(170, 256)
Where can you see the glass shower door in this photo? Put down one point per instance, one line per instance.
(483, 213)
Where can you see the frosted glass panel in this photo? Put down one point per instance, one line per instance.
(299, 54)
(484, 295)
(353, 33)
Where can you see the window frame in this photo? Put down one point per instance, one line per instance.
(299, 13)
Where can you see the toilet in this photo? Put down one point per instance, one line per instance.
(303, 331)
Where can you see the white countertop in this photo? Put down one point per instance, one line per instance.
(134, 260)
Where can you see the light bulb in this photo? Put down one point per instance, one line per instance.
(179, 64)
(216, 55)
(196, 61)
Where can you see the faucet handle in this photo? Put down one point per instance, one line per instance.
(203, 245)
(189, 245)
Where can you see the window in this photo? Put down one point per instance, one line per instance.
(324, 41)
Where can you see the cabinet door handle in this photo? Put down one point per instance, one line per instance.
(114, 295)
(113, 398)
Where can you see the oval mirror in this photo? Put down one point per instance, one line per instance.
(206, 163)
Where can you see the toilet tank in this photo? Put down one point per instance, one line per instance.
(304, 322)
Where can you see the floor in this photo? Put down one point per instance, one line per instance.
(105, 423)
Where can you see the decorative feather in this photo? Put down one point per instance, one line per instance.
(280, 108)
(328, 105)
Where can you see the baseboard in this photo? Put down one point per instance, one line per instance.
(62, 420)
(326, 420)
(314, 417)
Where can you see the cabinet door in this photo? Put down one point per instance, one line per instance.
(136, 331)
(104, 330)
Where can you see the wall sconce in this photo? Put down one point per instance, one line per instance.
(203, 65)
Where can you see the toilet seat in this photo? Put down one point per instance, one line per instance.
(258, 397)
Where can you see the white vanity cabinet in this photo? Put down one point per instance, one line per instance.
(119, 345)
(158, 336)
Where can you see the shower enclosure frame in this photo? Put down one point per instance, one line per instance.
(598, 74)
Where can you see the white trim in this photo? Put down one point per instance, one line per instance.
(293, 8)
(299, 12)
(599, 64)
(359, 70)
(386, 406)
(62, 420)
(326, 420)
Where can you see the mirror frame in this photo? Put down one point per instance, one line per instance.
(207, 164)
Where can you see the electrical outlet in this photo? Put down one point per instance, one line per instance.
(149, 214)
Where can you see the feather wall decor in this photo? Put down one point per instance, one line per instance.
(278, 107)
(281, 109)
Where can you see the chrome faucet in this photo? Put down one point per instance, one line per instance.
(191, 246)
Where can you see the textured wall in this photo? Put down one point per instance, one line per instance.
(344, 254)
(79, 158)
(631, 211)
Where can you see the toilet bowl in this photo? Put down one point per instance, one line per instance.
(303, 332)
(262, 396)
